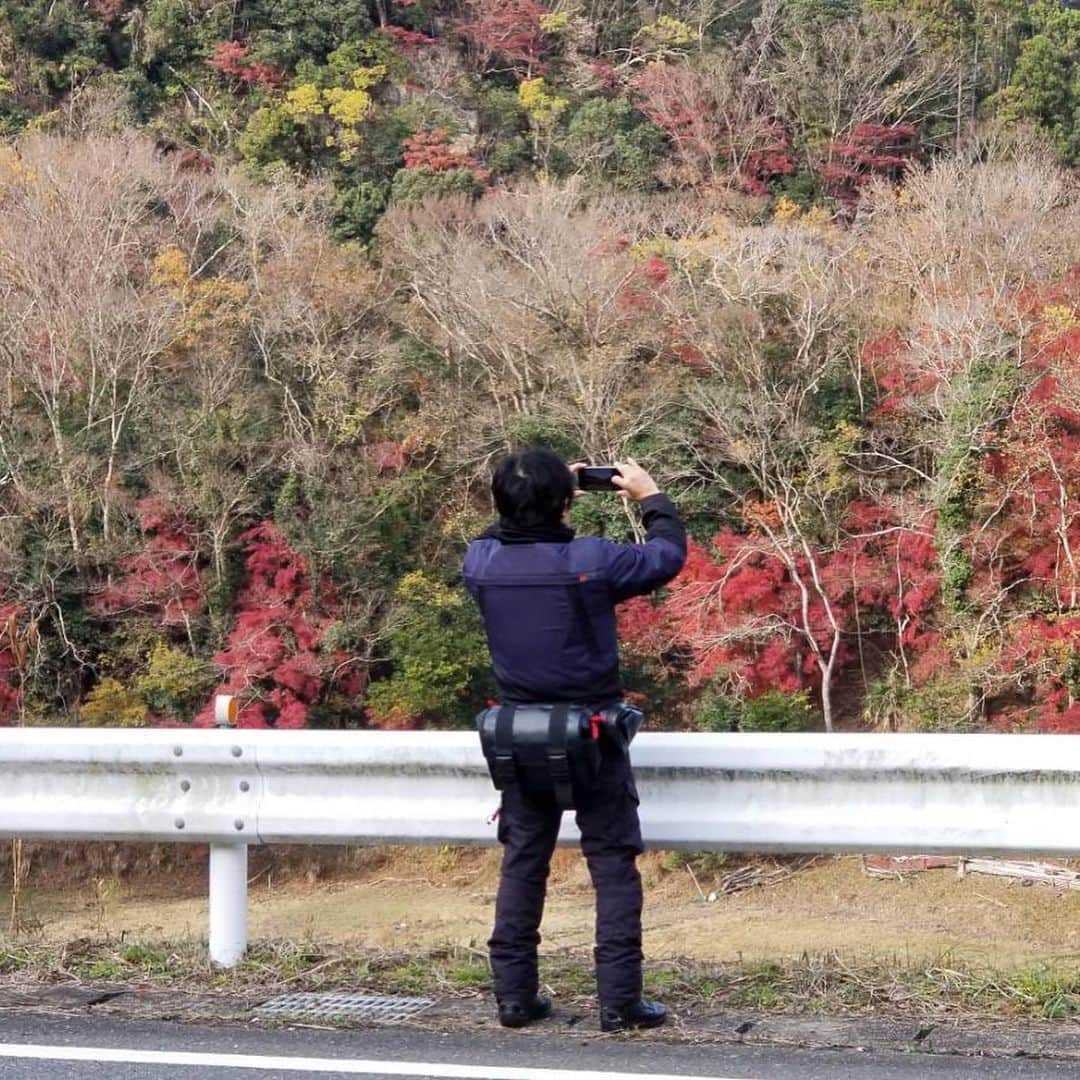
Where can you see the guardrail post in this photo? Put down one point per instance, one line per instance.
(228, 877)
(228, 903)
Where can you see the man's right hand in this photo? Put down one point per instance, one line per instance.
(634, 482)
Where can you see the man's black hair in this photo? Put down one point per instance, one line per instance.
(532, 487)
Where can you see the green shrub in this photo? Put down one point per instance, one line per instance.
(612, 144)
(803, 11)
(1045, 84)
(175, 683)
(956, 574)
(941, 704)
(308, 30)
(719, 712)
(803, 189)
(270, 136)
(602, 514)
(438, 648)
(499, 114)
(775, 710)
(112, 704)
(416, 185)
(510, 156)
(357, 211)
(524, 430)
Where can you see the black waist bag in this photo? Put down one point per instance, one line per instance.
(550, 751)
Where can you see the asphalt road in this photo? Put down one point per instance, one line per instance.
(38, 1046)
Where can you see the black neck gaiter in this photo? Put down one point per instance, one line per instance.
(509, 533)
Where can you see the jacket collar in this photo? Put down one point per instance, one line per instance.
(507, 533)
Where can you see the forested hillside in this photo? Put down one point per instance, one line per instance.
(279, 281)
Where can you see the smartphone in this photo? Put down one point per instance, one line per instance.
(597, 478)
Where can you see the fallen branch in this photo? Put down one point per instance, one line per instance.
(753, 876)
(1028, 873)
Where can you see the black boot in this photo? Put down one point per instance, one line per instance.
(645, 1014)
(516, 1014)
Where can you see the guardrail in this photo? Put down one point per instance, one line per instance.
(948, 794)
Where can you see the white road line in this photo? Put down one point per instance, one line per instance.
(319, 1065)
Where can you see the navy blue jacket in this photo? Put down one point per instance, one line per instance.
(548, 602)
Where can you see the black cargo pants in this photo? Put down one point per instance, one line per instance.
(607, 816)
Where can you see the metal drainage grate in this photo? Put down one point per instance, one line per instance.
(383, 1010)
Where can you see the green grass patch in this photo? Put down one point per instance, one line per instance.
(825, 983)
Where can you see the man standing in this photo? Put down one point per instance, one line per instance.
(548, 602)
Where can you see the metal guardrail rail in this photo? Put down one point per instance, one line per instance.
(949, 794)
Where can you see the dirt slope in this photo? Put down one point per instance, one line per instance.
(429, 898)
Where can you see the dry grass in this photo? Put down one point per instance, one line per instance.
(826, 983)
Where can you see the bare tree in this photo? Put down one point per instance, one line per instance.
(948, 264)
(965, 225)
(534, 297)
(316, 324)
(772, 324)
(82, 331)
(877, 68)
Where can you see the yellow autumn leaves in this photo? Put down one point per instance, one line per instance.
(346, 106)
(213, 306)
(543, 108)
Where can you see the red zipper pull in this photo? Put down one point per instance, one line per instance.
(595, 721)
